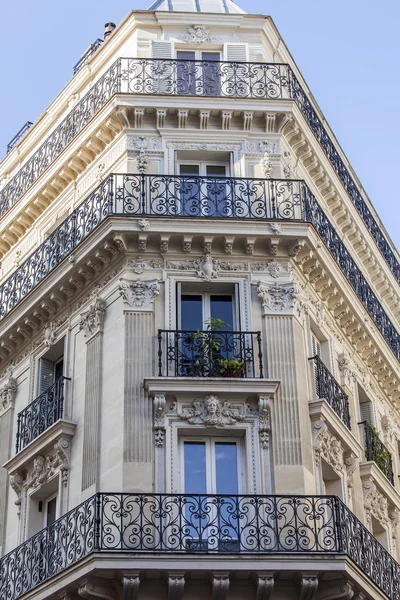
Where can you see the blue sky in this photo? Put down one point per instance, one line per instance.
(347, 50)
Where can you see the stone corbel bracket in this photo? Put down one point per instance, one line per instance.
(8, 392)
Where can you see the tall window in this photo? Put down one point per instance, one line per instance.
(201, 78)
(51, 366)
(196, 310)
(204, 189)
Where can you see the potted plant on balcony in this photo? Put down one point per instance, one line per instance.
(230, 367)
(209, 359)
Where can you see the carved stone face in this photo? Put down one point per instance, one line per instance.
(211, 404)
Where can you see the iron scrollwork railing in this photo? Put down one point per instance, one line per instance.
(92, 48)
(209, 354)
(18, 136)
(214, 197)
(40, 414)
(200, 78)
(198, 524)
(200, 197)
(328, 388)
(376, 451)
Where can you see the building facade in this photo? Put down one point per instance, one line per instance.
(199, 347)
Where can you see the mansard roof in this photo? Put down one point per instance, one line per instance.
(209, 6)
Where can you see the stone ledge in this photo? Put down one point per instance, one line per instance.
(370, 470)
(40, 445)
(205, 385)
(320, 409)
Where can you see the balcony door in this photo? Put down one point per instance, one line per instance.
(198, 73)
(211, 467)
(205, 189)
(196, 310)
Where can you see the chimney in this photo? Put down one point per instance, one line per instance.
(108, 29)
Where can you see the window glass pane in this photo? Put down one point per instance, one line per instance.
(189, 170)
(191, 312)
(59, 369)
(214, 170)
(222, 308)
(185, 55)
(195, 468)
(210, 56)
(51, 512)
(226, 467)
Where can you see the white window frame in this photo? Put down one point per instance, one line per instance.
(206, 305)
(204, 164)
(210, 440)
(198, 53)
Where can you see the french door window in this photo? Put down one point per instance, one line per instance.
(205, 190)
(211, 467)
(196, 310)
(198, 78)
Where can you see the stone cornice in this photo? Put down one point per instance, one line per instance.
(320, 410)
(370, 471)
(179, 386)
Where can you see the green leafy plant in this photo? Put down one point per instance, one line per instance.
(379, 454)
(230, 367)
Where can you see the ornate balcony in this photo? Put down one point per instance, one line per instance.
(198, 525)
(328, 388)
(171, 196)
(18, 136)
(40, 414)
(375, 450)
(209, 354)
(149, 76)
(92, 48)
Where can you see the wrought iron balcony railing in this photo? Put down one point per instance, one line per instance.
(261, 81)
(376, 450)
(328, 388)
(92, 48)
(189, 197)
(18, 136)
(40, 414)
(198, 524)
(209, 354)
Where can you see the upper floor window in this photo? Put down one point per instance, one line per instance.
(198, 307)
(51, 366)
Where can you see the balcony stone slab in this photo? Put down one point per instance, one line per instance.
(230, 386)
(41, 446)
(370, 472)
(320, 410)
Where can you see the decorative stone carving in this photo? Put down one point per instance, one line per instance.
(143, 224)
(97, 590)
(17, 483)
(209, 411)
(327, 445)
(208, 268)
(308, 588)
(159, 420)
(142, 160)
(347, 370)
(139, 265)
(351, 464)
(220, 586)
(92, 320)
(50, 334)
(266, 165)
(130, 586)
(198, 34)
(375, 504)
(276, 228)
(277, 297)
(264, 421)
(176, 586)
(8, 392)
(44, 467)
(345, 591)
(139, 294)
(265, 586)
(388, 428)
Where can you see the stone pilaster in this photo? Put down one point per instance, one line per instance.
(92, 323)
(138, 301)
(8, 392)
(283, 312)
